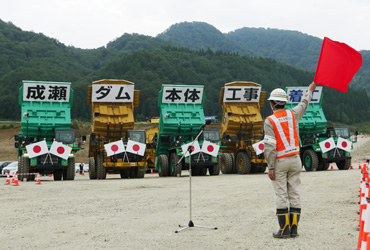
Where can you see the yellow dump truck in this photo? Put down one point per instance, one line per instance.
(115, 147)
(241, 127)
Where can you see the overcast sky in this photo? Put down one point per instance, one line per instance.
(94, 23)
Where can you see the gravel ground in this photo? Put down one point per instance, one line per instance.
(144, 213)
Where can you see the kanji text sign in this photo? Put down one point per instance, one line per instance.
(188, 94)
(242, 94)
(112, 93)
(42, 92)
(295, 94)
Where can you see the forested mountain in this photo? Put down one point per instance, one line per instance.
(291, 47)
(199, 35)
(150, 62)
(286, 46)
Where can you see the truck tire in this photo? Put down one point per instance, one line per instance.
(24, 168)
(163, 168)
(57, 175)
(344, 164)
(226, 163)
(323, 166)
(140, 171)
(100, 168)
(243, 163)
(69, 175)
(234, 170)
(175, 167)
(310, 160)
(203, 171)
(125, 173)
(215, 168)
(92, 169)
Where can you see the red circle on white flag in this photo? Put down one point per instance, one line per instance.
(261, 146)
(60, 150)
(344, 144)
(114, 148)
(327, 144)
(136, 147)
(36, 149)
(210, 148)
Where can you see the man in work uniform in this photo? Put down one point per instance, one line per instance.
(282, 154)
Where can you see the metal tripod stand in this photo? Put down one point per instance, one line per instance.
(190, 223)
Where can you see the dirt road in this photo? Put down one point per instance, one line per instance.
(144, 213)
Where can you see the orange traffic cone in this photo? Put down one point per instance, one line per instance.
(359, 166)
(351, 167)
(16, 183)
(151, 171)
(38, 179)
(7, 181)
(83, 172)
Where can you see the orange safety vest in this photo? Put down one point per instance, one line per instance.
(287, 141)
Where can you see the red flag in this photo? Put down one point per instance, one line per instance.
(337, 65)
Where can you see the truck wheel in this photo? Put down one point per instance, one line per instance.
(325, 166)
(226, 163)
(234, 170)
(344, 164)
(100, 168)
(310, 160)
(163, 168)
(243, 163)
(215, 168)
(69, 175)
(175, 166)
(57, 176)
(92, 169)
(203, 171)
(24, 168)
(140, 171)
(125, 173)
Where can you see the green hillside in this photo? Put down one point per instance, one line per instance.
(150, 62)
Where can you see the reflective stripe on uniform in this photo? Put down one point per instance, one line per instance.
(290, 147)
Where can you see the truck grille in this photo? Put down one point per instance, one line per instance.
(54, 159)
(336, 153)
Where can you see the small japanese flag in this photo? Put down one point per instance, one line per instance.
(36, 149)
(259, 147)
(344, 144)
(60, 150)
(115, 147)
(327, 145)
(195, 148)
(210, 148)
(135, 147)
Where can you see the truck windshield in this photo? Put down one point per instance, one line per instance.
(136, 135)
(342, 132)
(65, 136)
(211, 135)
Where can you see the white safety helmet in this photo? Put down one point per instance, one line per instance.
(278, 95)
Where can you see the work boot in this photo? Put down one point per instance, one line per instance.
(294, 215)
(283, 218)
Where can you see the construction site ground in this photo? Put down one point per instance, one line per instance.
(144, 213)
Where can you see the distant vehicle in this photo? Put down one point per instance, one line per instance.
(12, 169)
(3, 164)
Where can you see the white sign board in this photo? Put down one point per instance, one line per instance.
(112, 93)
(189, 94)
(295, 94)
(46, 92)
(242, 94)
